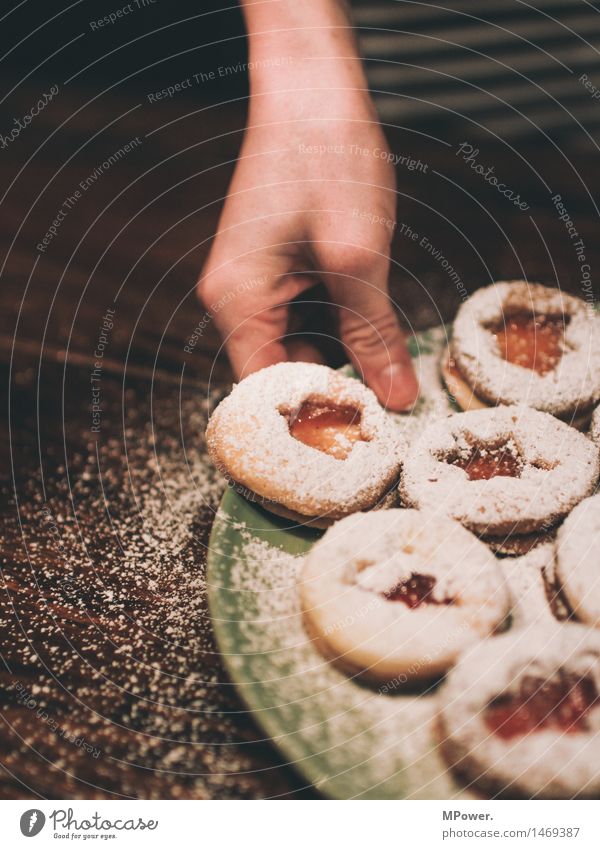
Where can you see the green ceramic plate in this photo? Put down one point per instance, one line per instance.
(346, 739)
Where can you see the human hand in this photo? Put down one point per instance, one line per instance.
(312, 198)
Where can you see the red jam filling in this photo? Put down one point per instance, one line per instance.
(328, 427)
(415, 591)
(560, 704)
(535, 342)
(485, 462)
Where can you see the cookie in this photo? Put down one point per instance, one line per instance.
(578, 560)
(520, 714)
(524, 343)
(500, 471)
(397, 595)
(304, 438)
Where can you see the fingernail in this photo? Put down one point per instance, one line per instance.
(397, 387)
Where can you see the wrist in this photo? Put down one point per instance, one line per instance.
(307, 48)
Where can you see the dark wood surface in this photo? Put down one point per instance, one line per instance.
(104, 631)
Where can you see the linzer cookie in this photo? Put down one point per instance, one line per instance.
(521, 713)
(524, 343)
(578, 560)
(500, 471)
(306, 442)
(396, 595)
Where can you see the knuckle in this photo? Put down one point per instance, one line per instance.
(366, 335)
(356, 259)
(209, 288)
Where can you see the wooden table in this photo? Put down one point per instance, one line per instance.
(111, 685)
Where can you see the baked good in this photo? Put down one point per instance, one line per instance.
(578, 560)
(523, 343)
(520, 714)
(306, 441)
(500, 471)
(397, 595)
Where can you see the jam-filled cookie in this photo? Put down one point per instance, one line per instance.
(396, 595)
(306, 441)
(524, 343)
(578, 560)
(500, 471)
(521, 713)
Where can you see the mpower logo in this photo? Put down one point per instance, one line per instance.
(32, 822)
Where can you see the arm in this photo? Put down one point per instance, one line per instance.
(312, 194)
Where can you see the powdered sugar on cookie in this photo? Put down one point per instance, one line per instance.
(249, 439)
(398, 594)
(555, 467)
(578, 556)
(521, 714)
(571, 384)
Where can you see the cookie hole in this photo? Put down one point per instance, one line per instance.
(415, 591)
(561, 703)
(531, 340)
(329, 427)
(485, 460)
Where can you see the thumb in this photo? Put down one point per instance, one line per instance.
(374, 341)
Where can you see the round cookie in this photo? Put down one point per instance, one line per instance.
(465, 398)
(578, 560)
(397, 595)
(307, 439)
(520, 714)
(524, 343)
(500, 471)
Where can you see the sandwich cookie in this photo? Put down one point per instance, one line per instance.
(520, 713)
(500, 471)
(524, 343)
(397, 595)
(306, 442)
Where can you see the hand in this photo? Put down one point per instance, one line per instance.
(312, 197)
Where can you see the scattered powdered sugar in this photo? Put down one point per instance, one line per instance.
(369, 739)
(124, 653)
